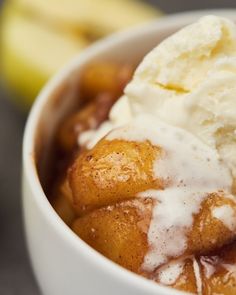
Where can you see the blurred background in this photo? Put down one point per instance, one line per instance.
(37, 37)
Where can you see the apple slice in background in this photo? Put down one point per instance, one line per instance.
(101, 16)
(31, 53)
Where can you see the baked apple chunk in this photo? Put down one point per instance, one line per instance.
(112, 171)
(118, 231)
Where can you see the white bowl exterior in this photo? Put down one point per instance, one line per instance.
(63, 264)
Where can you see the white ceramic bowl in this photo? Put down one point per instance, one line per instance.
(63, 264)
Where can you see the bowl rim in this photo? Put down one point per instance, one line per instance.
(30, 171)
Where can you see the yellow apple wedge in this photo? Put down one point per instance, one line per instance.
(99, 17)
(31, 53)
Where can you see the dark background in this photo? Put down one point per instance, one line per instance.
(15, 273)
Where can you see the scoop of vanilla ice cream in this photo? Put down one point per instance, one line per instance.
(189, 81)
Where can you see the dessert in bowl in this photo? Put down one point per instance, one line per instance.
(146, 177)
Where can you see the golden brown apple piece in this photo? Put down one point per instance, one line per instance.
(219, 271)
(111, 172)
(209, 232)
(118, 231)
(104, 77)
(185, 279)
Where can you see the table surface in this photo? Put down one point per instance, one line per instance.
(16, 276)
